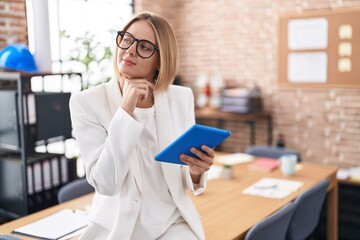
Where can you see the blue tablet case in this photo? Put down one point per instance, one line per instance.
(196, 136)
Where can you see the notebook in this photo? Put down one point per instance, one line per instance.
(273, 188)
(196, 136)
(55, 226)
(264, 164)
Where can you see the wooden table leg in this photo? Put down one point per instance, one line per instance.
(332, 209)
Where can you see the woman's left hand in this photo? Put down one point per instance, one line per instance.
(198, 167)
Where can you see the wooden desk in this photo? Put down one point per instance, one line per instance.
(225, 212)
(228, 214)
(78, 203)
(248, 118)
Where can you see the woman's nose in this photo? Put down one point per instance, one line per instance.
(132, 49)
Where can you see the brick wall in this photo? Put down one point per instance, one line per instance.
(13, 24)
(239, 40)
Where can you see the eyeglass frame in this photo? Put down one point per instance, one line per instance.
(119, 33)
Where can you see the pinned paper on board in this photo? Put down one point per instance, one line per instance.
(320, 49)
(345, 31)
(305, 34)
(344, 65)
(345, 49)
(310, 67)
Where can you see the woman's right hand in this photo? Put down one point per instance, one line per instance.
(135, 90)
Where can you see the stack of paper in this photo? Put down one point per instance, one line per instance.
(235, 158)
(343, 173)
(355, 173)
(273, 188)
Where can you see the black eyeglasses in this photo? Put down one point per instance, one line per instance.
(144, 48)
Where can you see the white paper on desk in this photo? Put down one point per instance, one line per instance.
(56, 225)
(235, 158)
(273, 188)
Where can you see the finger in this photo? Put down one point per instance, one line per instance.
(193, 162)
(198, 169)
(203, 156)
(142, 81)
(208, 150)
(138, 88)
(142, 86)
(142, 94)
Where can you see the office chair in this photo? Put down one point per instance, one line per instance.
(74, 189)
(274, 226)
(270, 151)
(307, 213)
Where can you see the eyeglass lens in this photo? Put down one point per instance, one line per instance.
(144, 48)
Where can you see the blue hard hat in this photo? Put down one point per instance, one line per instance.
(17, 57)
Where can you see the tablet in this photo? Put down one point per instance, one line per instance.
(196, 136)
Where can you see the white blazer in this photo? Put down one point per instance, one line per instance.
(108, 137)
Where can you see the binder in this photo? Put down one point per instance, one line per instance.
(30, 110)
(46, 174)
(38, 179)
(30, 179)
(64, 170)
(52, 115)
(55, 170)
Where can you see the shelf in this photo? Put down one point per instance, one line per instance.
(249, 118)
(27, 120)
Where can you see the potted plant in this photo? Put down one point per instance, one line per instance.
(227, 171)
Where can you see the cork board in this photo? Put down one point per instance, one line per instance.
(320, 48)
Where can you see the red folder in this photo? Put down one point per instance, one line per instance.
(264, 164)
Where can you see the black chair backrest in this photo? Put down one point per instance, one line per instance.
(274, 226)
(270, 151)
(74, 189)
(307, 213)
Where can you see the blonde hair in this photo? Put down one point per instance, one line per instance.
(168, 49)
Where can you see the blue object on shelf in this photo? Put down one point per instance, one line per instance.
(17, 57)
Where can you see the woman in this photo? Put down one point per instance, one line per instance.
(121, 125)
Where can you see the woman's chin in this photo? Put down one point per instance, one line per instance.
(128, 75)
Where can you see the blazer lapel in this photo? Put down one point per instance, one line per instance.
(114, 98)
(165, 137)
(114, 95)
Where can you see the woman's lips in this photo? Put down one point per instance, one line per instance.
(128, 62)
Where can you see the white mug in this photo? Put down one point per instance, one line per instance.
(288, 164)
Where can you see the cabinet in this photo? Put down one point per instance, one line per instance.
(29, 180)
(349, 211)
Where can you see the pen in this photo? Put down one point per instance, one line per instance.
(266, 187)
